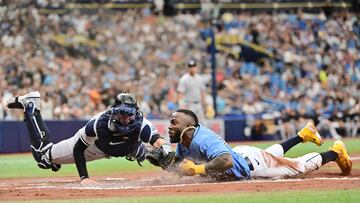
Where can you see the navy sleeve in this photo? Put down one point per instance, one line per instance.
(145, 134)
(79, 157)
(90, 128)
(154, 138)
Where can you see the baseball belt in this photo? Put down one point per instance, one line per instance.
(251, 167)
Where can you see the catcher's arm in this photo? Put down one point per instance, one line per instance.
(217, 165)
(87, 137)
(79, 158)
(159, 142)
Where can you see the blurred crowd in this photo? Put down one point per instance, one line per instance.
(314, 74)
(80, 61)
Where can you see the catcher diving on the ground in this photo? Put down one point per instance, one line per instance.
(120, 131)
(201, 151)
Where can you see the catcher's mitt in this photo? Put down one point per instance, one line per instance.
(161, 157)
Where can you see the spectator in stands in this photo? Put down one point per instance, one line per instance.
(68, 56)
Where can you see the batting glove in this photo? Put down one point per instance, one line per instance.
(190, 168)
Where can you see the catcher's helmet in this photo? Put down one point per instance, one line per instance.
(125, 114)
(125, 98)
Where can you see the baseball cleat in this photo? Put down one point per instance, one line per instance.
(343, 161)
(309, 133)
(20, 102)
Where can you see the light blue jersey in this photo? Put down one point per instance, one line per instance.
(207, 145)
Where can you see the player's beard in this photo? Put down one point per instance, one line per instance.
(175, 138)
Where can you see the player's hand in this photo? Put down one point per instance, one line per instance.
(89, 182)
(188, 167)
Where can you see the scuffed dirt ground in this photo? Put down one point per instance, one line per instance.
(163, 183)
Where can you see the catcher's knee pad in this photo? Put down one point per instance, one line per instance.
(43, 157)
(39, 133)
(40, 154)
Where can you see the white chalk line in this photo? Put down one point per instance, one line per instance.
(172, 186)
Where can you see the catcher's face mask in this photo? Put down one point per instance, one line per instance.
(125, 118)
(123, 114)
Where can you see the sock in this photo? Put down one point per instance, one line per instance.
(328, 156)
(289, 143)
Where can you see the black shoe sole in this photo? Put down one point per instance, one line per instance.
(55, 167)
(15, 105)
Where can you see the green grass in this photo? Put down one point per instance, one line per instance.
(306, 196)
(23, 165)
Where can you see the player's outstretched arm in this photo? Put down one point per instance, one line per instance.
(79, 158)
(159, 142)
(217, 165)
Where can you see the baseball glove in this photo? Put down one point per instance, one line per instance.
(161, 158)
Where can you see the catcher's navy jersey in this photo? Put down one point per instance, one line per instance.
(100, 131)
(206, 145)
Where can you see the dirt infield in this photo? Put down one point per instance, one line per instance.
(162, 183)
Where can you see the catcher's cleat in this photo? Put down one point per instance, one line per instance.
(20, 102)
(343, 161)
(309, 133)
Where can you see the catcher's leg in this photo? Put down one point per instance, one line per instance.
(39, 133)
(308, 133)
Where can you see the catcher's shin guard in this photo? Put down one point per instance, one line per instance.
(39, 137)
(39, 133)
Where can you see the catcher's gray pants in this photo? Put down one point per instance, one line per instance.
(270, 163)
(62, 152)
